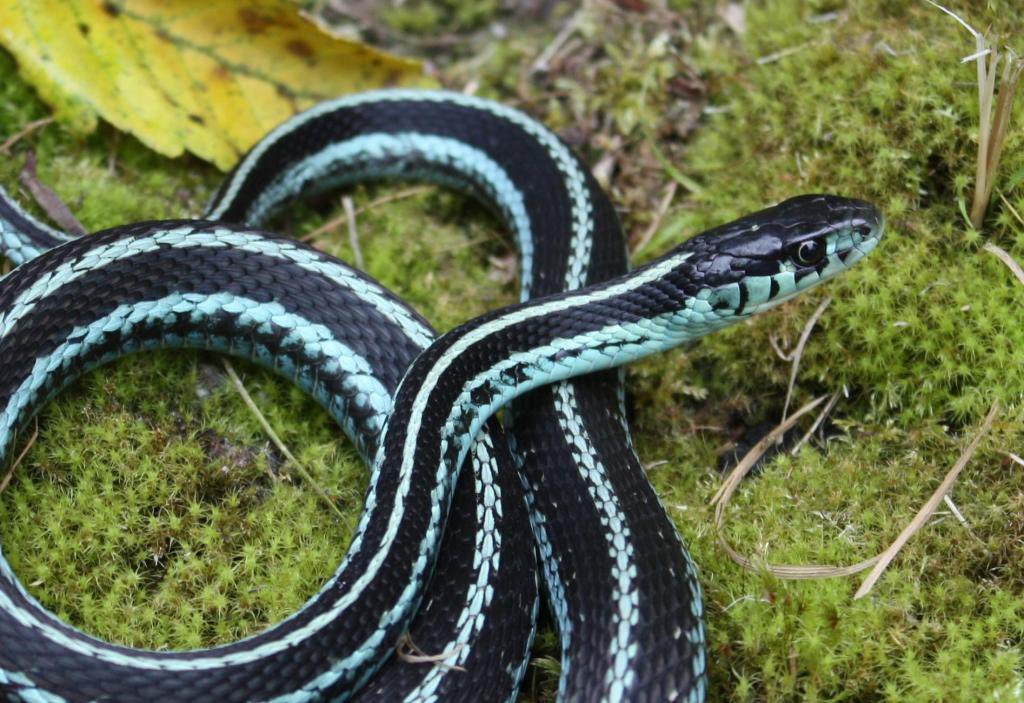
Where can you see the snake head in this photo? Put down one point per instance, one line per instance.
(763, 259)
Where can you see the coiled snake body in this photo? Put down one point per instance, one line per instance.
(621, 587)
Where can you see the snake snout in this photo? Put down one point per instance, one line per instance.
(860, 213)
(865, 225)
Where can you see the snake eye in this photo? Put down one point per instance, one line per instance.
(810, 252)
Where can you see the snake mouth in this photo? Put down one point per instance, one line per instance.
(866, 227)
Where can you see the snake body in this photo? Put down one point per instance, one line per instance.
(623, 591)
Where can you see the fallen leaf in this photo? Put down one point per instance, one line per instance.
(207, 77)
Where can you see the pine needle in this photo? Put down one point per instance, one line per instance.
(24, 132)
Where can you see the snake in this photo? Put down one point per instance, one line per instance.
(622, 590)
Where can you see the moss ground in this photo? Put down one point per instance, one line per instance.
(152, 511)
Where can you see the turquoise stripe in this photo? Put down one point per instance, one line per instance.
(187, 237)
(315, 341)
(617, 536)
(575, 179)
(363, 153)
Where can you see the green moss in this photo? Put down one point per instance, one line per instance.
(146, 514)
(922, 337)
(155, 517)
(440, 16)
(874, 105)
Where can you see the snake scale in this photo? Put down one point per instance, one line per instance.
(622, 590)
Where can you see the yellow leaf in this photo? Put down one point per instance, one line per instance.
(207, 76)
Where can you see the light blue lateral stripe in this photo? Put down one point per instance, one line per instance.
(26, 689)
(475, 165)
(251, 313)
(319, 342)
(316, 342)
(575, 180)
(626, 613)
(187, 237)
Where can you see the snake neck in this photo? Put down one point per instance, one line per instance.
(456, 385)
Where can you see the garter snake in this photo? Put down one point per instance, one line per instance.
(623, 591)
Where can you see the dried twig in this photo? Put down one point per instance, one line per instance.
(798, 353)
(48, 200)
(6, 481)
(260, 418)
(24, 132)
(928, 508)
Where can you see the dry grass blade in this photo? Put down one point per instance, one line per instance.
(798, 353)
(1011, 208)
(1006, 259)
(338, 221)
(732, 482)
(407, 651)
(353, 232)
(251, 404)
(1012, 70)
(659, 215)
(992, 130)
(400, 195)
(24, 132)
(6, 481)
(817, 422)
(960, 518)
(928, 508)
